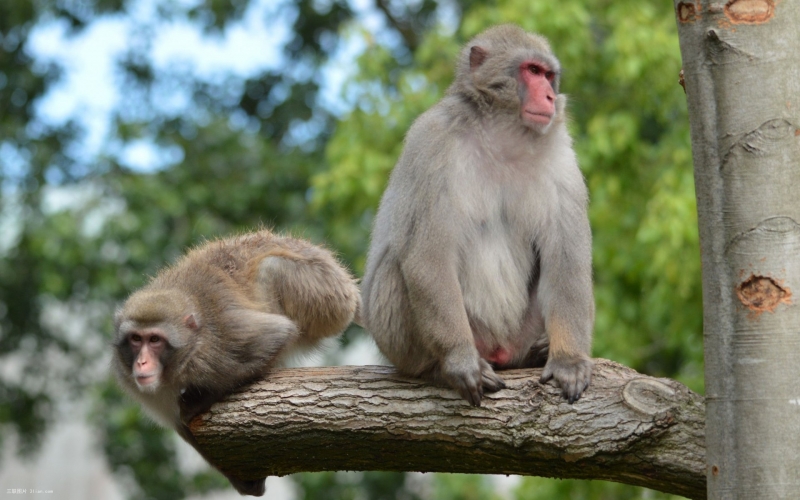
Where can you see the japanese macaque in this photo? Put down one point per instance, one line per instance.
(481, 249)
(221, 317)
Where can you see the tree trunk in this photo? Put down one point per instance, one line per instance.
(742, 80)
(627, 427)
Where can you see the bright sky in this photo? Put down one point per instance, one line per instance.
(87, 91)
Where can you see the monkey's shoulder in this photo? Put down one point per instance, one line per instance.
(431, 140)
(440, 123)
(239, 253)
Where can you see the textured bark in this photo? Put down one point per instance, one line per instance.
(742, 81)
(627, 427)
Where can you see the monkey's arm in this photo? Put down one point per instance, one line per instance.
(429, 271)
(566, 293)
(311, 289)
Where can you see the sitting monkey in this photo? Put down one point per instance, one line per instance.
(481, 252)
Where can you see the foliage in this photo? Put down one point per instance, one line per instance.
(629, 121)
(537, 488)
(144, 454)
(353, 485)
(631, 133)
(81, 231)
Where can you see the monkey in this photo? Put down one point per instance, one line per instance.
(223, 316)
(480, 254)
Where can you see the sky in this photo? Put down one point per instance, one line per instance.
(87, 91)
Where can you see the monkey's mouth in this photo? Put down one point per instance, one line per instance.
(538, 117)
(145, 380)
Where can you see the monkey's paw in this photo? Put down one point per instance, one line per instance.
(572, 375)
(470, 375)
(255, 488)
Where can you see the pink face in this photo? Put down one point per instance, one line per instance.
(147, 347)
(538, 96)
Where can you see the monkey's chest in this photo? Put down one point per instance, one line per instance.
(497, 261)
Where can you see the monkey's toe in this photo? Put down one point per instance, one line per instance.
(489, 379)
(472, 393)
(254, 488)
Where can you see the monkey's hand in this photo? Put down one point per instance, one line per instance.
(572, 374)
(255, 488)
(470, 375)
(193, 402)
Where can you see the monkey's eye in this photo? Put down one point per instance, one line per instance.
(155, 340)
(550, 75)
(534, 69)
(136, 338)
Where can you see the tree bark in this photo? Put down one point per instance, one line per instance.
(742, 81)
(627, 427)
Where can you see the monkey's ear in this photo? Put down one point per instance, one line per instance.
(191, 322)
(477, 55)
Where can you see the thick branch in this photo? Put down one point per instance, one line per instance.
(627, 427)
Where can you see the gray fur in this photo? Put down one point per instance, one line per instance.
(482, 238)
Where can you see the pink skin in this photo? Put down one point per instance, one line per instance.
(497, 356)
(539, 101)
(148, 346)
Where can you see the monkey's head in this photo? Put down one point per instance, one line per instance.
(151, 327)
(514, 73)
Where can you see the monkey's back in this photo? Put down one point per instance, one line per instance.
(211, 272)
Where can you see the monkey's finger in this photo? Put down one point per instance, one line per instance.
(473, 395)
(547, 374)
(582, 379)
(578, 383)
(470, 390)
(586, 379)
(490, 380)
(492, 383)
(585, 384)
(572, 394)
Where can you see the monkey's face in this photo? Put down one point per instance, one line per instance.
(537, 94)
(143, 351)
(148, 348)
(514, 74)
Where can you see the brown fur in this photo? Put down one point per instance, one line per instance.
(229, 310)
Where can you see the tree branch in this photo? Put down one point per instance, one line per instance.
(627, 427)
(402, 27)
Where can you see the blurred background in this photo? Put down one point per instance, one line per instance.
(131, 130)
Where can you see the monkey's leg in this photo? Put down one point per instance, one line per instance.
(253, 487)
(311, 289)
(252, 342)
(443, 328)
(533, 328)
(194, 402)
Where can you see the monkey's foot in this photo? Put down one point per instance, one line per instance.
(255, 488)
(471, 376)
(572, 375)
